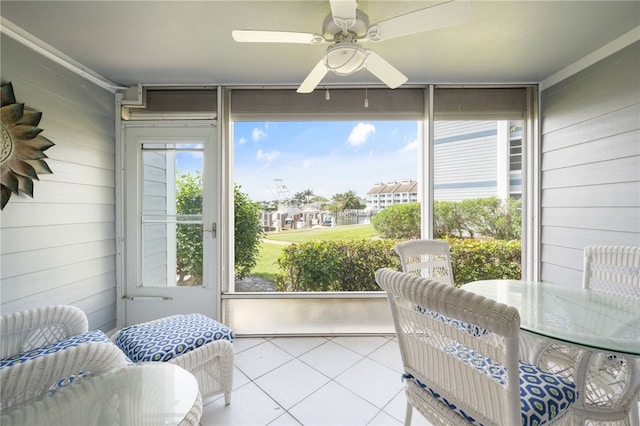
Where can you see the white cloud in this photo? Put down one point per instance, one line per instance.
(267, 155)
(258, 134)
(360, 134)
(242, 141)
(411, 146)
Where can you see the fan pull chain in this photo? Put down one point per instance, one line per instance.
(366, 92)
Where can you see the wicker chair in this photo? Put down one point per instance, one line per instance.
(30, 329)
(427, 258)
(608, 383)
(460, 357)
(44, 349)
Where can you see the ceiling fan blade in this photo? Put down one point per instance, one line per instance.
(256, 36)
(386, 72)
(442, 15)
(314, 78)
(343, 13)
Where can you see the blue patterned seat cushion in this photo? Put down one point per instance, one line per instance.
(167, 338)
(89, 336)
(472, 329)
(77, 340)
(543, 396)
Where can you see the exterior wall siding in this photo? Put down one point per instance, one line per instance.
(59, 247)
(590, 165)
(465, 165)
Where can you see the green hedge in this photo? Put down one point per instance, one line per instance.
(351, 265)
(334, 265)
(484, 259)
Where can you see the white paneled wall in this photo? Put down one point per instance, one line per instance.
(59, 247)
(590, 164)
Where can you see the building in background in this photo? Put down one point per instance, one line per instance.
(472, 159)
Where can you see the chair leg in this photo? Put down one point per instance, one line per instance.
(633, 413)
(408, 415)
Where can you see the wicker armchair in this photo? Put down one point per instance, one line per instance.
(46, 348)
(27, 330)
(608, 383)
(460, 357)
(427, 258)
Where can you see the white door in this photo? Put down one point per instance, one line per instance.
(171, 210)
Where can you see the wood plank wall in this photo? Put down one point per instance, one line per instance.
(590, 164)
(59, 247)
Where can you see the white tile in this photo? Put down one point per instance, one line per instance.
(330, 358)
(243, 343)
(362, 345)
(285, 420)
(260, 359)
(372, 381)
(249, 406)
(334, 405)
(383, 419)
(297, 346)
(389, 356)
(292, 382)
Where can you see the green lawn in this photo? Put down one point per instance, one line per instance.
(344, 232)
(267, 265)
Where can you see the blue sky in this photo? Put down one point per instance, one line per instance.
(326, 157)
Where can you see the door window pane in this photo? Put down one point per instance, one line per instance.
(172, 225)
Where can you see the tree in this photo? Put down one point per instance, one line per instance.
(304, 197)
(247, 233)
(189, 236)
(346, 201)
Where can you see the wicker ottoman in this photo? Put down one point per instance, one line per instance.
(195, 342)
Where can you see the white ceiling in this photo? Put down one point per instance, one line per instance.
(189, 42)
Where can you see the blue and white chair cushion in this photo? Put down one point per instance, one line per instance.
(77, 340)
(543, 396)
(170, 337)
(73, 341)
(472, 329)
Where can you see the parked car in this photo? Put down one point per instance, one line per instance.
(327, 221)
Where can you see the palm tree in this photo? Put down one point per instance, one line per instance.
(304, 197)
(347, 201)
(351, 200)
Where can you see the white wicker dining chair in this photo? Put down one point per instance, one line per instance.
(460, 356)
(608, 383)
(426, 258)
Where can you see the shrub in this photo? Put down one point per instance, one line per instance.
(335, 265)
(189, 236)
(486, 217)
(485, 259)
(247, 233)
(401, 221)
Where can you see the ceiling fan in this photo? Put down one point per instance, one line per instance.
(346, 25)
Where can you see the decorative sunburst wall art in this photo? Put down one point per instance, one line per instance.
(21, 152)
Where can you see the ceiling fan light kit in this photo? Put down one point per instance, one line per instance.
(345, 26)
(345, 57)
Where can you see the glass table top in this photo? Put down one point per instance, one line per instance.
(573, 315)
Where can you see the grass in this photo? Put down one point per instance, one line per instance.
(327, 233)
(267, 265)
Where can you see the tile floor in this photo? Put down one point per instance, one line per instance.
(314, 381)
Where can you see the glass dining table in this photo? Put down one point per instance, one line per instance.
(600, 329)
(154, 393)
(574, 315)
